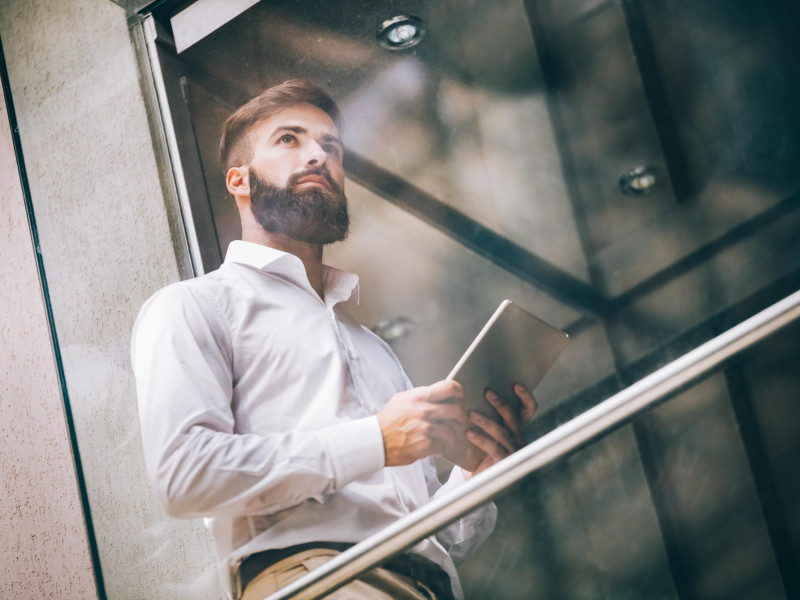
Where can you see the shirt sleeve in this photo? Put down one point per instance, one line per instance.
(199, 467)
(463, 537)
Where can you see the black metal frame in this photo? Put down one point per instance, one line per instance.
(657, 99)
(202, 213)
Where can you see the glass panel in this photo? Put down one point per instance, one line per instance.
(710, 509)
(621, 169)
(526, 119)
(582, 528)
(664, 508)
(441, 115)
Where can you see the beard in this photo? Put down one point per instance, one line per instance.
(316, 216)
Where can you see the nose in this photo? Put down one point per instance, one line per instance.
(315, 155)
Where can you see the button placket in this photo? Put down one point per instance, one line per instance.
(338, 334)
(352, 363)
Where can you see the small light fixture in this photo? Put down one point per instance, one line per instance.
(394, 330)
(639, 181)
(401, 32)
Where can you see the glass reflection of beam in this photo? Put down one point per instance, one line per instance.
(500, 250)
(664, 352)
(706, 252)
(472, 234)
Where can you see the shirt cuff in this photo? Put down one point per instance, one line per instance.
(355, 449)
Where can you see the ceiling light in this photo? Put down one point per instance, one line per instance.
(400, 33)
(639, 180)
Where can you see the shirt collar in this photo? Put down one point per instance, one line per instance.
(338, 285)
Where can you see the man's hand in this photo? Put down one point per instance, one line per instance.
(494, 439)
(422, 421)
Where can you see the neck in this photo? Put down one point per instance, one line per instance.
(310, 254)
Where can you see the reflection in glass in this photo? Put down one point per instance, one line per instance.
(484, 162)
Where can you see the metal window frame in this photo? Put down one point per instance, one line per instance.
(149, 29)
(203, 17)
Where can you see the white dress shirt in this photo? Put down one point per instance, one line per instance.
(257, 402)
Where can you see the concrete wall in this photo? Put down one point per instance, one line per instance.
(45, 548)
(98, 186)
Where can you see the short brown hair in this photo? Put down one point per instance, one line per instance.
(235, 148)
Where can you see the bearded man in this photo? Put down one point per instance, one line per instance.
(266, 408)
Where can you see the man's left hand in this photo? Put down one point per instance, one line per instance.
(496, 440)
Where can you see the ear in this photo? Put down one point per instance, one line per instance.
(237, 181)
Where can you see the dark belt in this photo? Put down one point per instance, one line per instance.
(411, 565)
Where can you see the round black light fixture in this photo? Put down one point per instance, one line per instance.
(639, 181)
(401, 32)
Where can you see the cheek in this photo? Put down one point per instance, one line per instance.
(275, 168)
(337, 173)
(274, 177)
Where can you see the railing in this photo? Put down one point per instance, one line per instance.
(592, 424)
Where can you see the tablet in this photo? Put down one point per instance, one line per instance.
(513, 347)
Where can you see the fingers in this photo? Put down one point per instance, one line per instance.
(444, 401)
(491, 447)
(496, 432)
(427, 420)
(443, 435)
(515, 420)
(446, 412)
(510, 417)
(529, 405)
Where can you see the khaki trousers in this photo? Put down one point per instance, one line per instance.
(377, 584)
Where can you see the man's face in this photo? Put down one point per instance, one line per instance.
(296, 176)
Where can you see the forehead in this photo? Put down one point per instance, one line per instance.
(307, 116)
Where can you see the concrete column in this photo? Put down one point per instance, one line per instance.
(101, 196)
(45, 548)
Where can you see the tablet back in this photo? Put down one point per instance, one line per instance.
(513, 347)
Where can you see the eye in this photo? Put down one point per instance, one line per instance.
(286, 138)
(331, 149)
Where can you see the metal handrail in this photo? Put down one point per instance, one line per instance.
(586, 427)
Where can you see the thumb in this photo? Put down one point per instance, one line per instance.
(447, 390)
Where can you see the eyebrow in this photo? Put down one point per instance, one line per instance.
(328, 137)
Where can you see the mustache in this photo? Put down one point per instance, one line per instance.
(321, 171)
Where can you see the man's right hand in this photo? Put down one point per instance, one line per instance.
(422, 422)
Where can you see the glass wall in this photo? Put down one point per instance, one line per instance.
(697, 499)
(626, 170)
(623, 170)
